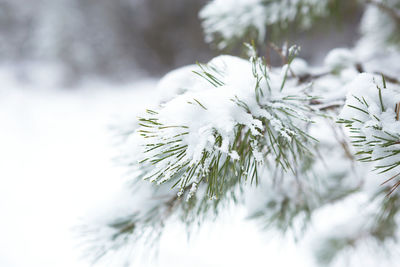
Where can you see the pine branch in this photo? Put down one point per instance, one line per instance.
(367, 116)
(270, 129)
(228, 22)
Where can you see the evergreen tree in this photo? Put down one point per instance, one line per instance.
(284, 141)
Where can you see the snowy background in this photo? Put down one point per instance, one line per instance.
(70, 70)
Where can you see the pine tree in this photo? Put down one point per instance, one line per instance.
(285, 142)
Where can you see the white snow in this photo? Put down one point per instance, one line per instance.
(56, 166)
(379, 120)
(204, 111)
(233, 19)
(340, 58)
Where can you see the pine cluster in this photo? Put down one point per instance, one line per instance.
(284, 142)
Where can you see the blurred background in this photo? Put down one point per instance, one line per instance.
(118, 40)
(123, 40)
(71, 69)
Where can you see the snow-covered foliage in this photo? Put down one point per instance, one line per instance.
(226, 21)
(287, 204)
(233, 122)
(238, 115)
(372, 113)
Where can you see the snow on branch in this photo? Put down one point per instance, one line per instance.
(372, 114)
(237, 115)
(226, 21)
